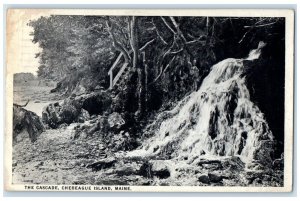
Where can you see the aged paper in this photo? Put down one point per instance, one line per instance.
(211, 109)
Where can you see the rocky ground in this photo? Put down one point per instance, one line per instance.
(57, 158)
(71, 154)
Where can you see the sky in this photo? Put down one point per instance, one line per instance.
(21, 50)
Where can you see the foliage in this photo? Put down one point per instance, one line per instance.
(168, 57)
(70, 45)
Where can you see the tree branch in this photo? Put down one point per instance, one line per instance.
(116, 44)
(163, 71)
(251, 28)
(178, 29)
(158, 34)
(167, 25)
(176, 52)
(146, 44)
(260, 25)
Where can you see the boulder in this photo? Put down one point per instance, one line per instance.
(83, 116)
(156, 168)
(204, 178)
(67, 112)
(97, 103)
(51, 116)
(115, 121)
(145, 170)
(233, 163)
(210, 164)
(264, 153)
(215, 178)
(160, 169)
(24, 120)
(128, 169)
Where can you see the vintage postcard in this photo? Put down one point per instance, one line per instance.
(149, 100)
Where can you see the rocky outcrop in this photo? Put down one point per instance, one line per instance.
(68, 112)
(24, 120)
(203, 178)
(155, 168)
(76, 109)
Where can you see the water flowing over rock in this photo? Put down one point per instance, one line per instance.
(218, 120)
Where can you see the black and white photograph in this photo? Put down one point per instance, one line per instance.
(149, 100)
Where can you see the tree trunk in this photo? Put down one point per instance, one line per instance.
(145, 81)
(134, 41)
(137, 65)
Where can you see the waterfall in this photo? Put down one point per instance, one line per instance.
(218, 120)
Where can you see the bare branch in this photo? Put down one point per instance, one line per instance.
(196, 40)
(177, 28)
(245, 35)
(146, 44)
(166, 68)
(116, 44)
(251, 28)
(163, 71)
(176, 52)
(166, 23)
(158, 34)
(261, 25)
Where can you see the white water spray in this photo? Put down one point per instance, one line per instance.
(218, 120)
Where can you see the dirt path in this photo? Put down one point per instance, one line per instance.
(56, 158)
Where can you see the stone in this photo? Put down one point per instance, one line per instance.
(160, 169)
(24, 120)
(233, 164)
(83, 116)
(215, 178)
(204, 179)
(97, 103)
(128, 169)
(102, 164)
(157, 168)
(115, 120)
(263, 154)
(210, 164)
(145, 170)
(69, 111)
